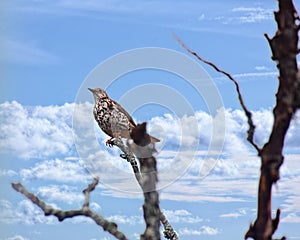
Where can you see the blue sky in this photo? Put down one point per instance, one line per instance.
(50, 51)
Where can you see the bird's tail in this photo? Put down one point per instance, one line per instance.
(154, 139)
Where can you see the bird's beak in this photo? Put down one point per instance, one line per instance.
(91, 89)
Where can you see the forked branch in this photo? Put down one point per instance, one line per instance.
(61, 215)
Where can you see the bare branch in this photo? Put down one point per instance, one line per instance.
(248, 114)
(87, 192)
(61, 215)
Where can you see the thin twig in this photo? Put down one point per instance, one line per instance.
(61, 215)
(251, 129)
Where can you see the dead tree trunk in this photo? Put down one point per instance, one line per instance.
(284, 46)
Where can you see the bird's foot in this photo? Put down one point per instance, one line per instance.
(110, 142)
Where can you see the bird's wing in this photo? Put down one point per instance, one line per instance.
(117, 105)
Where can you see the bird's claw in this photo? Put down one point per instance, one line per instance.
(110, 142)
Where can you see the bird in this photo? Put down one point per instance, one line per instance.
(112, 118)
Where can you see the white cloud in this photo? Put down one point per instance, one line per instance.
(203, 230)
(181, 216)
(255, 74)
(24, 212)
(292, 139)
(250, 76)
(17, 237)
(239, 213)
(235, 124)
(7, 172)
(95, 206)
(124, 219)
(261, 68)
(263, 120)
(291, 218)
(287, 188)
(81, 220)
(7, 212)
(33, 132)
(251, 14)
(56, 170)
(61, 193)
(206, 230)
(179, 169)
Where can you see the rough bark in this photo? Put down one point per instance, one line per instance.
(284, 46)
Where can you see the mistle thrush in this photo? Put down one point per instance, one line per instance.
(112, 118)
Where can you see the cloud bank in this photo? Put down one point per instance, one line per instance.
(41, 132)
(35, 132)
(46, 133)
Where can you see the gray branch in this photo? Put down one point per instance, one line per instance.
(61, 215)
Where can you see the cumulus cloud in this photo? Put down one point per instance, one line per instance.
(291, 218)
(183, 133)
(203, 230)
(292, 138)
(180, 168)
(124, 219)
(181, 216)
(33, 132)
(95, 206)
(24, 212)
(61, 193)
(56, 170)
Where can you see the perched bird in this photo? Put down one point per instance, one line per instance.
(112, 118)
